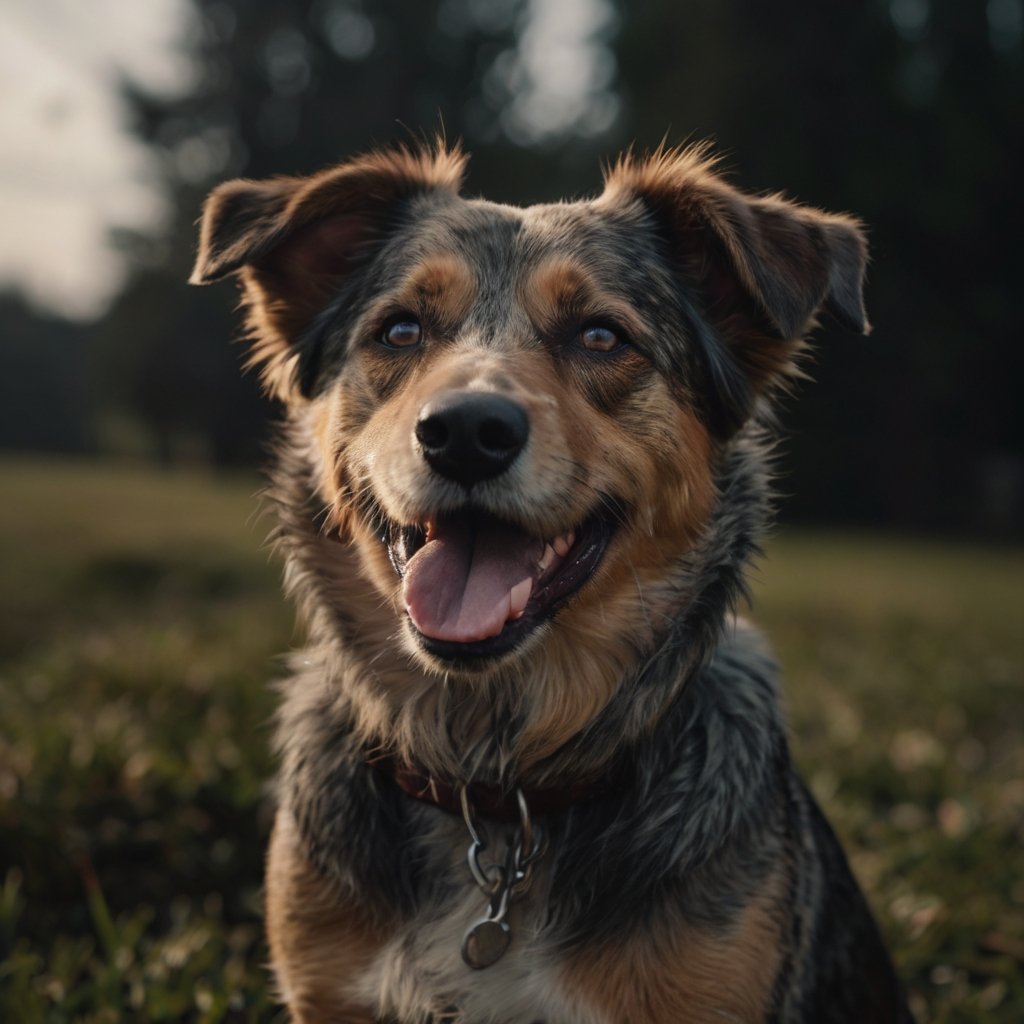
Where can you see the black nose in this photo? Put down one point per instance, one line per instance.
(471, 436)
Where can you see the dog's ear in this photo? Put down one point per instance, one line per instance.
(762, 267)
(293, 241)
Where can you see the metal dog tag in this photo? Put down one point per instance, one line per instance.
(485, 942)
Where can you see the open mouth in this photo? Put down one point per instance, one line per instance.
(474, 585)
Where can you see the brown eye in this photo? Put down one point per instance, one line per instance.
(598, 338)
(403, 333)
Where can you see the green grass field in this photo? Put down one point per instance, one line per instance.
(140, 620)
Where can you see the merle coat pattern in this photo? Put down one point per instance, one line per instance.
(624, 351)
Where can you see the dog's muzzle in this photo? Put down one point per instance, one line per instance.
(474, 582)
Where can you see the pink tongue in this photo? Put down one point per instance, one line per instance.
(458, 585)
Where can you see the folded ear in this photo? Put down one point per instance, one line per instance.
(293, 241)
(762, 267)
(241, 221)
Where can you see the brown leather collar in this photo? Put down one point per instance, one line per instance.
(488, 801)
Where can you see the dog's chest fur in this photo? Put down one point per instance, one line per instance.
(420, 973)
(626, 885)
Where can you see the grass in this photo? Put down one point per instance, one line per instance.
(140, 620)
(903, 665)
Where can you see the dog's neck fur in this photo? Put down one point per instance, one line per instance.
(437, 723)
(711, 761)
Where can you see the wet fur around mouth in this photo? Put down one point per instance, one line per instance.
(639, 338)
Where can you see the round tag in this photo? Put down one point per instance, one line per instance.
(485, 942)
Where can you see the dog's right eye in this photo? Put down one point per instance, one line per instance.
(599, 338)
(404, 332)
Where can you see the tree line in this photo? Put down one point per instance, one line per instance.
(906, 112)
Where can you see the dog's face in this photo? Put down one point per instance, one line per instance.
(511, 441)
(518, 412)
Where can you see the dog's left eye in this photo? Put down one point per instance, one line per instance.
(598, 338)
(402, 333)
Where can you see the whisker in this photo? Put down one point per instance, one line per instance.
(642, 598)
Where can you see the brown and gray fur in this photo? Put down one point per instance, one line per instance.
(700, 882)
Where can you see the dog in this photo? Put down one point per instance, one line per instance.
(533, 765)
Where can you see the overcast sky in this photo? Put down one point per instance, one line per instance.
(68, 168)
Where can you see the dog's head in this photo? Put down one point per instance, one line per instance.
(518, 413)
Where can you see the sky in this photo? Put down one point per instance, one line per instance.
(69, 169)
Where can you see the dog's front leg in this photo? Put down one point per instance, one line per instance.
(319, 945)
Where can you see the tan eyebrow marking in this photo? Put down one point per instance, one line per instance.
(441, 288)
(562, 287)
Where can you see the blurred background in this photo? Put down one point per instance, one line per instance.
(118, 118)
(138, 617)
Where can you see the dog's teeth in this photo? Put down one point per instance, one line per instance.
(547, 558)
(562, 545)
(518, 598)
(570, 538)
